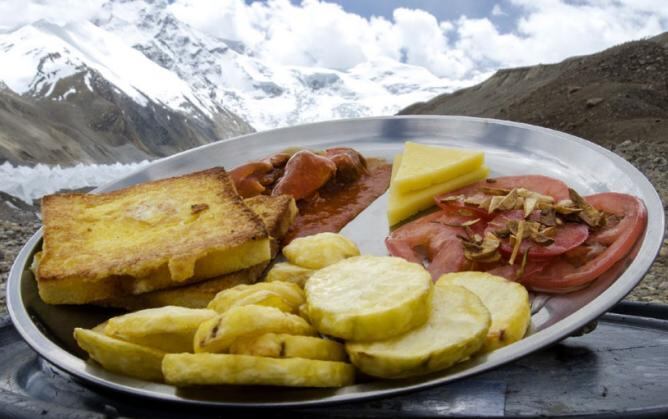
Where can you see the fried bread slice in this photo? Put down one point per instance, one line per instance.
(277, 212)
(146, 237)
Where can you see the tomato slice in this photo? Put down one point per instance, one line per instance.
(432, 237)
(562, 276)
(510, 271)
(458, 207)
(537, 183)
(569, 236)
(617, 204)
(449, 258)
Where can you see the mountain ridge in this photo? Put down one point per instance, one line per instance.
(66, 99)
(603, 97)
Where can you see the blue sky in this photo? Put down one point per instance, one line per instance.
(441, 9)
(452, 39)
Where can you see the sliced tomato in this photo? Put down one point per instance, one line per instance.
(434, 237)
(449, 258)
(621, 205)
(510, 272)
(537, 183)
(568, 236)
(562, 276)
(458, 207)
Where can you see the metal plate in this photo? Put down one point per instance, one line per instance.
(620, 370)
(510, 148)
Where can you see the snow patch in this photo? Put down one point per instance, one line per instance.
(70, 91)
(87, 81)
(30, 183)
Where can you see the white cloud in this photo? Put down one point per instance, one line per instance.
(14, 13)
(320, 33)
(498, 11)
(225, 19)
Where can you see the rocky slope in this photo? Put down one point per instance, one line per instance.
(617, 98)
(616, 95)
(76, 93)
(100, 125)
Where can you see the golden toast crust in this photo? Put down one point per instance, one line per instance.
(158, 229)
(277, 212)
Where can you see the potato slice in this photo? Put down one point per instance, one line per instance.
(197, 369)
(319, 250)
(284, 296)
(287, 272)
(507, 302)
(303, 312)
(456, 329)
(219, 333)
(100, 328)
(119, 356)
(369, 298)
(169, 328)
(288, 346)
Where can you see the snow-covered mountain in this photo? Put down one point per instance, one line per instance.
(43, 53)
(266, 95)
(137, 82)
(78, 93)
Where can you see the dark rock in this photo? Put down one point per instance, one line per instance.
(593, 101)
(15, 210)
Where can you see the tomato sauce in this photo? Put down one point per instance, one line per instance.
(337, 204)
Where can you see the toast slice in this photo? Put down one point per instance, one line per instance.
(277, 212)
(146, 237)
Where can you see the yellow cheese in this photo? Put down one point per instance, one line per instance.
(402, 206)
(423, 166)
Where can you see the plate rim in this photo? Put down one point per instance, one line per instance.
(48, 350)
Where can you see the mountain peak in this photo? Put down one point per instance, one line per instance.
(266, 93)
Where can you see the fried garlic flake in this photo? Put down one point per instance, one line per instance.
(590, 215)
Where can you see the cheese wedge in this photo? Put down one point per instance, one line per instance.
(423, 166)
(402, 206)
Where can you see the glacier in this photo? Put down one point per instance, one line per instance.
(31, 183)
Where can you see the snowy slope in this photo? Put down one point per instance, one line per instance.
(146, 52)
(267, 95)
(43, 53)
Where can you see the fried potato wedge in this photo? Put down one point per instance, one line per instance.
(303, 312)
(456, 329)
(369, 298)
(169, 328)
(220, 332)
(100, 328)
(289, 346)
(119, 356)
(319, 250)
(284, 296)
(287, 272)
(507, 302)
(196, 369)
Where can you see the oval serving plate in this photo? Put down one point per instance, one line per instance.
(510, 148)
